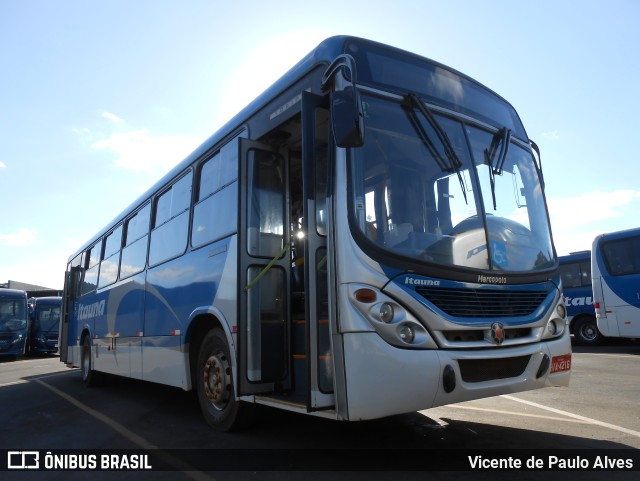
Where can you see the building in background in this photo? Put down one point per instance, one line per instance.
(32, 290)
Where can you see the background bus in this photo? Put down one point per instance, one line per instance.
(615, 268)
(575, 271)
(14, 328)
(44, 317)
(349, 245)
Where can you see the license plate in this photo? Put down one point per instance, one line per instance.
(561, 363)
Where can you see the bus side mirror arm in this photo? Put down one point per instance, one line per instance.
(346, 107)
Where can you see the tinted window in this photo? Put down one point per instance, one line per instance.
(169, 237)
(216, 213)
(622, 257)
(113, 242)
(218, 171)
(216, 216)
(134, 254)
(174, 201)
(109, 266)
(92, 266)
(266, 189)
(138, 225)
(438, 84)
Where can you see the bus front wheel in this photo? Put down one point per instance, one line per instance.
(214, 384)
(586, 333)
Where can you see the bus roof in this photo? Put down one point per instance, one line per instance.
(47, 299)
(12, 293)
(575, 256)
(621, 234)
(323, 54)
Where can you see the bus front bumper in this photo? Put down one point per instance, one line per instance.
(383, 380)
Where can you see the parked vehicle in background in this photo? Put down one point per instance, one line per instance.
(575, 271)
(44, 317)
(615, 270)
(14, 328)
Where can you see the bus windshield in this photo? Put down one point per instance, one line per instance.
(469, 208)
(13, 315)
(47, 318)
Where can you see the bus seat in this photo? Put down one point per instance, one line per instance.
(397, 233)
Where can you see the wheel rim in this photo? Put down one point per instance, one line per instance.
(588, 332)
(217, 382)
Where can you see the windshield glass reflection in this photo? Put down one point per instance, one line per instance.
(415, 198)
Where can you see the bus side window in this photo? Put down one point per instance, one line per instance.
(215, 214)
(110, 258)
(571, 275)
(585, 273)
(266, 204)
(171, 221)
(92, 266)
(134, 252)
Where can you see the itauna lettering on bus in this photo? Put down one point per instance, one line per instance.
(90, 311)
(412, 281)
(579, 301)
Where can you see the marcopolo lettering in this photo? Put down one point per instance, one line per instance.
(90, 311)
(492, 279)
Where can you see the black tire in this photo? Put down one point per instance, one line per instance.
(214, 385)
(90, 377)
(586, 333)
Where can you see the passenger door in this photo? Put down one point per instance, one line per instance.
(316, 195)
(264, 269)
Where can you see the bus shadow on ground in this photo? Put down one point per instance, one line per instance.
(611, 345)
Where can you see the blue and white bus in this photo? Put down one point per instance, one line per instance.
(615, 271)
(14, 326)
(44, 316)
(368, 237)
(575, 272)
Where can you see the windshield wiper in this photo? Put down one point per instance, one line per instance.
(452, 163)
(501, 140)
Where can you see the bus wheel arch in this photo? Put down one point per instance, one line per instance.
(214, 383)
(198, 329)
(585, 331)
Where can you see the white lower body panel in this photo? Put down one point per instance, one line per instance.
(383, 380)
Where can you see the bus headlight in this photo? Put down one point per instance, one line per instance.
(386, 312)
(562, 311)
(389, 318)
(557, 323)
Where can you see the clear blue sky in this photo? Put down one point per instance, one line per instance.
(99, 99)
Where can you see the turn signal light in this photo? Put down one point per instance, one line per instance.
(366, 295)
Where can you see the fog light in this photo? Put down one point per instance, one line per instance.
(406, 333)
(552, 328)
(386, 312)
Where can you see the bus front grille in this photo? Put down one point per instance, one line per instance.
(483, 303)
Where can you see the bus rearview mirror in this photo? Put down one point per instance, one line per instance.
(347, 117)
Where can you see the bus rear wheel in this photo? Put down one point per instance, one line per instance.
(214, 384)
(90, 377)
(586, 333)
